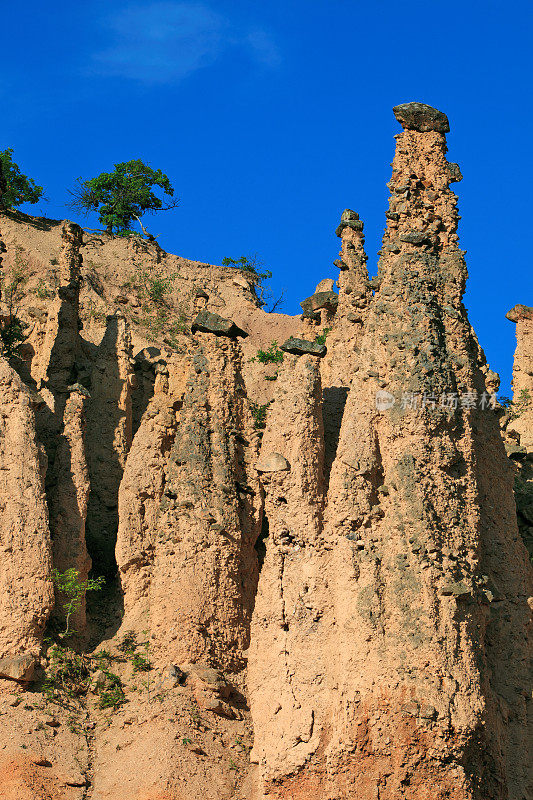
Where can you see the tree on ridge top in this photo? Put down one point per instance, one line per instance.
(15, 187)
(124, 195)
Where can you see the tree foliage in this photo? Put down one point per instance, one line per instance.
(15, 188)
(124, 195)
(73, 590)
(254, 266)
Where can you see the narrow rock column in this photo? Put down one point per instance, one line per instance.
(523, 374)
(26, 592)
(283, 680)
(339, 367)
(109, 430)
(68, 497)
(53, 369)
(61, 418)
(190, 566)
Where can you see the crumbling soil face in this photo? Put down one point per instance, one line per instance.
(191, 519)
(26, 594)
(316, 587)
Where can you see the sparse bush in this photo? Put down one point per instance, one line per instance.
(128, 643)
(42, 291)
(158, 287)
(516, 407)
(271, 356)
(320, 338)
(113, 697)
(12, 335)
(67, 676)
(259, 414)
(254, 265)
(140, 663)
(12, 327)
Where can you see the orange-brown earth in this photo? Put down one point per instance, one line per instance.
(316, 580)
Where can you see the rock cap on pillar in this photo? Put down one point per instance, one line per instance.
(519, 312)
(349, 219)
(421, 117)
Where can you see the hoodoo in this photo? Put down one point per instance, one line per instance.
(315, 584)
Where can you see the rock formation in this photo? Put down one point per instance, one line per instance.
(109, 433)
(286, 647)
(315, 585)
(419, 554)
(523, 373)
(189, 511)
(26, 593)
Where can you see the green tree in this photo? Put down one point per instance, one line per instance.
(124, 195)
(254, 266)
(73, 591)
(15, 188)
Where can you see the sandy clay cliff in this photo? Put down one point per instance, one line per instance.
(316, 567)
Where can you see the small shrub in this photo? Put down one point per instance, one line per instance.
(95, 313)
(271, 356)
(259, 414)
(12, 335)
(128, 644)
(248, 264)
(42, 290)
(112, 698)
(518, 406)
(67, 676)
(140, 663)
(321, 337)
(157, 288)
(254, 266)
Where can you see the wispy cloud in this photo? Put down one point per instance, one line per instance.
(162, 42)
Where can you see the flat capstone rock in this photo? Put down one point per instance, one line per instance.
(421, 117)
(206, 322)
(519, 312)
(320, 300)
(349, 219)
(301, 347)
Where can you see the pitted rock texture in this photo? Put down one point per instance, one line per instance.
(189, 510)
(421, 117)
(26, 592)
(286, 626)
(315, 584)
(523, 375)
(418, 548)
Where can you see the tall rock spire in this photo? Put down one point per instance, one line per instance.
(420, 541)
(425, 620)
(341, 363)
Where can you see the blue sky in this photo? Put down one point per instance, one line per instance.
(271, 118)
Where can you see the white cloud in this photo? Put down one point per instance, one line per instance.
(163, 42)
